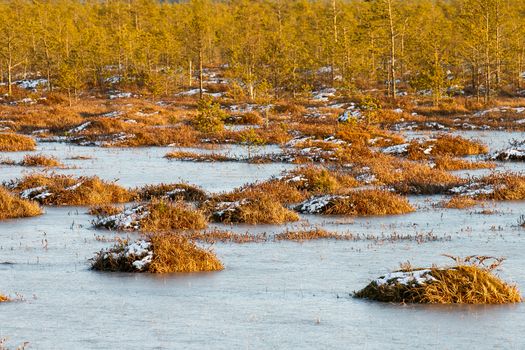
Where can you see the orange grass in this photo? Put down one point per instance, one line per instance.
(14, 207)
(16, 142)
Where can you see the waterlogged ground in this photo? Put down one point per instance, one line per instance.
(273, 295)
(132, 167)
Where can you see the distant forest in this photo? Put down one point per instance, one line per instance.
(267, 47)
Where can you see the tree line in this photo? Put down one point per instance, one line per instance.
(267, 47)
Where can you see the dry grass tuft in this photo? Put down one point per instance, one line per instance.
(313, 234)
(57, 189)
(214, 236)
(162, 253)
(507, 187)
(14, 207)
(319, 180)
(104, 210)
(449, 164)
(40, 160)
(368, 203)
(260, 209)
(459, 202)
(198, 157)
(16, 142)
(169, 216)
(180, 191)
(172, 253)
(445, 145)
(469, 282)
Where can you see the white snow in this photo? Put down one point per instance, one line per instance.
(28, 194)
(419, 277)
(129, 219)
(316, 205)
(396, 149)
(79, 128)
(324, 94)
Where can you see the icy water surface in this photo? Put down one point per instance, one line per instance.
(274, 295)
(140, 166)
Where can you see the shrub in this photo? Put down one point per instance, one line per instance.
(210, 117)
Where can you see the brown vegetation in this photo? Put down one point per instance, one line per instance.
(465, 283)
(15, 142)
(179, 191)
(171, 216)
(14, 207)
(459, 202)
(449, 164)
(40, 160)
(369, 202)
(260, 209)
(163, 253)
(55, 189)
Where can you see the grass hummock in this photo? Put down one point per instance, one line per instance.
(14, 207)
(55, 189)
(155, 216)
(469, 281)
(357, 203)
(160, 253)
(15, 142)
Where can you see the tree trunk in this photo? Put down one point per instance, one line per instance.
(200, 73)
(392, 85)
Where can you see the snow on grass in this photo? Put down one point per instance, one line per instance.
(419, 277)
(79, 128)
(316, 205)
(129, 219)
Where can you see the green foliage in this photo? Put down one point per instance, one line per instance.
(210, 117)
(268, 49)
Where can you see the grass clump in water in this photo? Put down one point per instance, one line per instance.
(168, 216)
(14, 207)
(57, 189)
(459, 202)
(160, 253)
(180, 191)
(358, 203)
(262, 209)
(16, 142)
(449, 163)
(468, 282)
(40, 160)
